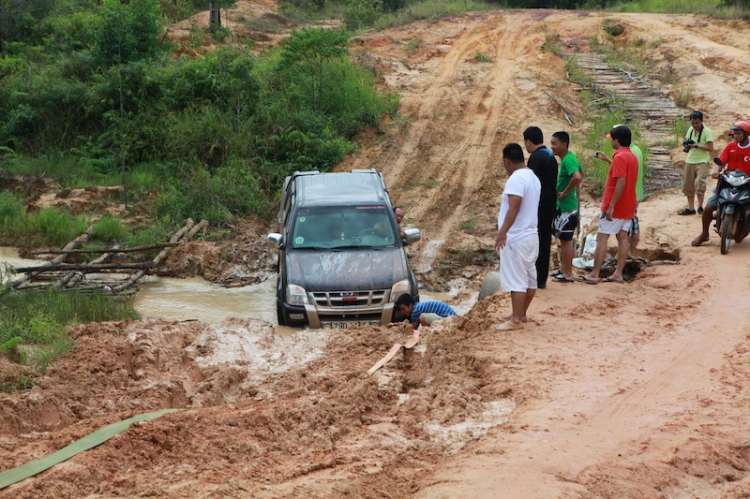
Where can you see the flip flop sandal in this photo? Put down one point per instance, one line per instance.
(587, 279)
(562, 278)
(609, 279)
(686, 211)
(555, 273)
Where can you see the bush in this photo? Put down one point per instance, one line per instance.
(109, 230)
(51, 227)
(362, 14)
(220, 131)
(218, 197)
(128, 32)
(11, 213)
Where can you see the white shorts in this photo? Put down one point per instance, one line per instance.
(518, 264)
(613, 226)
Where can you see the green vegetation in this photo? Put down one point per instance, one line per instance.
(34, 325)
(727, 9)
(481, 57)
(89, 94)
(427, 10)
(93, 92)
(45, 227)
(604, 111)
(470, 224)
(49, 227)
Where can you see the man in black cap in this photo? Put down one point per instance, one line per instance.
(543, 163)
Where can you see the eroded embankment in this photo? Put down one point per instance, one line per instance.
(260, 409)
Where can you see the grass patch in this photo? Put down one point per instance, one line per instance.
(683, 93)
(716, 8)
(552, 44)
(430, 10)
(110, 230)
(469, 224)
(34, 325)
(47, 227)
(481, 57)
(413, 44)
(429, 182)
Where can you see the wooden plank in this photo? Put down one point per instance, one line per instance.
(162, 255)
(75, 242)
(87, 267)
(116, 249)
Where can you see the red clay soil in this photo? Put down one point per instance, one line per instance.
(637, 390)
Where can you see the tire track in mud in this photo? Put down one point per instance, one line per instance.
(470, 160)
(430, 103)
(462, 169)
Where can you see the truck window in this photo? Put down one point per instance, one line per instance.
(331, 227)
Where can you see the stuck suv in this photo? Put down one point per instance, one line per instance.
(341, 260)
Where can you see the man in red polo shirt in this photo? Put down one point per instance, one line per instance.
(618, 205)
(736, 156)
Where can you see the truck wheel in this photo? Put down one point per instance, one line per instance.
(280, 314)
(490, 284)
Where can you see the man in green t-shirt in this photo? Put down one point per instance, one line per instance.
(566, 218)
(635, 228)
(699, 144)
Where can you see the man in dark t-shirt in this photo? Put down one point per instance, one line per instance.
(543, 163)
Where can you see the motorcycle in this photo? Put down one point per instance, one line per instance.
(733, 212)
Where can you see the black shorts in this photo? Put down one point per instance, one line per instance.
(565, 225)
(635, 228)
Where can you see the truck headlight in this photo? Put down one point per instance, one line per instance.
(296, 295)
(400, 288)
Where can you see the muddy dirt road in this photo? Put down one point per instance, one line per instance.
(637, 390)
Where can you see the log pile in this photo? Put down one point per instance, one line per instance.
(58, 274)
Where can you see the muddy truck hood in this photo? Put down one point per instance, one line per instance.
(350, 270)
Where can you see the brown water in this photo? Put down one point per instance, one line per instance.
(197, 299)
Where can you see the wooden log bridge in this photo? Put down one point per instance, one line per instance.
(74, 275)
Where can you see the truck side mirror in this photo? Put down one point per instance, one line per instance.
(412, 235)
(274, 239)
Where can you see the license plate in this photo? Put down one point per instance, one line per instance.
(344, 325)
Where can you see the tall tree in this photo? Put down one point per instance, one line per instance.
(129, 31)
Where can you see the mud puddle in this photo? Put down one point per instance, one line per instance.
(195, 299)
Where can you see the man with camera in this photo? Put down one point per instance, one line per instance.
(698, 144)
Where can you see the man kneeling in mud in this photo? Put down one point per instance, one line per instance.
(424, 313)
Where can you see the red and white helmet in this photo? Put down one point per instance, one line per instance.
(741, 125)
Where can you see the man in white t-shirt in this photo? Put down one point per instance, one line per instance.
(517, 240)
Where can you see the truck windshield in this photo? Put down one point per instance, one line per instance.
(350, 226)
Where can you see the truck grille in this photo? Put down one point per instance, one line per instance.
(354, 299)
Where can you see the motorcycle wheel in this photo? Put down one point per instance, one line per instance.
(726, 232)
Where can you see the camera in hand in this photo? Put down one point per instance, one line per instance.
(686, 144)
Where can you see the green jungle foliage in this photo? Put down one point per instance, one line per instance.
(84, 91)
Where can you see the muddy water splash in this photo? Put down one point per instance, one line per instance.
(197, 299)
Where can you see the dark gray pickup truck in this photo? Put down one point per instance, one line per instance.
(341, 260)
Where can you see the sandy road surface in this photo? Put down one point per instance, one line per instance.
(637, 390)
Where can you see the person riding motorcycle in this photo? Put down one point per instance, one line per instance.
(735, 156)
